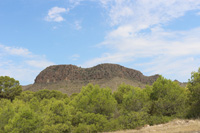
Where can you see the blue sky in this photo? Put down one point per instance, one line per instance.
(154, 37)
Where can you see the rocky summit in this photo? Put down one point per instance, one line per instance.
(58, 73)
(70, 78)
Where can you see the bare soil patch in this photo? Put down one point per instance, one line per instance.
(175, 126)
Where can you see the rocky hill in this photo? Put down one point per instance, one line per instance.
(70, 78)
(58, 73)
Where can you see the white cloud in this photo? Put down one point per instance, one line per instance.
(147, 12)
(75, 57)
(21, 64)
(198, 13)
(75, 2)
(167, 53)
(171, 53)
(15, 51)
(54, 14)
(109, 58)
(39, 63)
(77, 25)
(23, 74)
(159, 51)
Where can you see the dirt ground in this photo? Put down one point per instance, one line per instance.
(175, 126)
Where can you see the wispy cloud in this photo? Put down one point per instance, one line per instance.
(156, 52)
(54, 14)
(21, 64)
(75, 57)
(147, 12)
(159, 50)
(77, 25)
(198, 13)
(14, 51)
(39, 63)
(75, 2)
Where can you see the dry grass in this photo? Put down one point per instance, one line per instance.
(175, 126)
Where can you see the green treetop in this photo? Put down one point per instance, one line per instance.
(9, 87)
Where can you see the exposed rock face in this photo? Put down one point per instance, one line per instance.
(59, 73)
(70, 79)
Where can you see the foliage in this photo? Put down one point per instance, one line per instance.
(83, 128)
(132, 120)
(96, 121)
(47, 94)
(194, 88)
(17, 117)
(55, 114)
(9, 87)
(136, 100)
(26, 96)
(122, 89)
(168, 98)
(96, 109)
(6, 112)
(154, 119)
(93, 99)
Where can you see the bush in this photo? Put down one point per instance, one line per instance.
(95, 120)
(6, 112)
(93, 99)
(194, 97)
(83, 128)
(9, 87)
(154, 120)
(47, 94)
(24, 119)
(26, 96)
(133, 120)
(122, 89)
(136, 99)
(169, 99)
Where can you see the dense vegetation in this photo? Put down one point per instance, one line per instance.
(96, 109)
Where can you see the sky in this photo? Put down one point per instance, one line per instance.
(152, 36)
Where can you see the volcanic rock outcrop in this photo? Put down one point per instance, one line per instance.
(70, 79)
(58, 73)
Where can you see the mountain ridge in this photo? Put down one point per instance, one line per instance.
(70, 78)
(57, 73)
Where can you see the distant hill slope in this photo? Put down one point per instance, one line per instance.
(70, 79)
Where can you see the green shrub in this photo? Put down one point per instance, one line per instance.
(133, 120)
(93, 99)
(7, 112)
(55, 114)
(83, 128)
(168, 98)
(122, 89)
(153, 120)
(136, 99)
(24, 120)
(9, 88)
(26, 96)
(194, 95)
(113, 125)
(48, 94)
(97, 120)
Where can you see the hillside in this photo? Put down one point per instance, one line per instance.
(70, 79)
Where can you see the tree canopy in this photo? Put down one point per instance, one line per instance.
(194, 88)
(168, 98)
(9, 87)
(96, 109)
